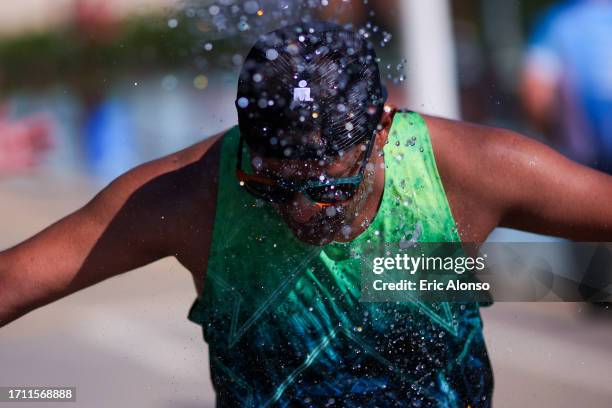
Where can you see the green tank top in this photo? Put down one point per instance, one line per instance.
(283, 319)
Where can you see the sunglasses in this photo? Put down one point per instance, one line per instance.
(324, 193)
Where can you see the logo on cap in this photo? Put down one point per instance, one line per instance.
(302, 94)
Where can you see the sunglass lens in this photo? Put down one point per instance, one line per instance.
(268, 192)
(332, 194)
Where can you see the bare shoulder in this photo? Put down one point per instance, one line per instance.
(462, 138)
(496, 177)
(493, 161)
(171, 164)
(475, 164)
(172, 199)
(466, 153)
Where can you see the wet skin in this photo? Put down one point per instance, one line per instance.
(492, 177)
(343, 222)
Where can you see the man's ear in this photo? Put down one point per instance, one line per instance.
(386, 121)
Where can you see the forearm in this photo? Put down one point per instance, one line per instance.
(18, 295)
(42, 268)
(41, 271)
(53, 263)
(10, 306)
(126, 226)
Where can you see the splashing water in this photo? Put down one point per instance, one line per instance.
(241, 22)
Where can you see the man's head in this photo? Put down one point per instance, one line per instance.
(309, 104)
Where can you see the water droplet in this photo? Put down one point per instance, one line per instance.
(330, 211)
(200, 82)
(243, 26)
(237, 59)
(214, 10)
(251, 7)
(257, 162)
(173, 23)
(293, 49)
(271, 54)
(243, 102)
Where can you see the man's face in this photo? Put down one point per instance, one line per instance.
(312, 222)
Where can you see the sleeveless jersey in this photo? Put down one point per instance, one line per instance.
(283, 320)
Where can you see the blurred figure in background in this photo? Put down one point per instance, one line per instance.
(23, 143)
(567, 80)
(108, 125)
(95, 20)
(567, 85)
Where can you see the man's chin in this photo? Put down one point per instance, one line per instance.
(317, 236)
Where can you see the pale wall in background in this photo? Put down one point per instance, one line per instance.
(18, 16)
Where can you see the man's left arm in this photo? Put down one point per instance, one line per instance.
(546, 193)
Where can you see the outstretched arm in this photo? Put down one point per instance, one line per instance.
(137, 219)
(496, 177)
(549, 194)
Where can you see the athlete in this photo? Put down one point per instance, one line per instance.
(270, 218)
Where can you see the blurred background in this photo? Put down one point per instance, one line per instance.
(91, 88)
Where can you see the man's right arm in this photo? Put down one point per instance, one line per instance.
(137, 219)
